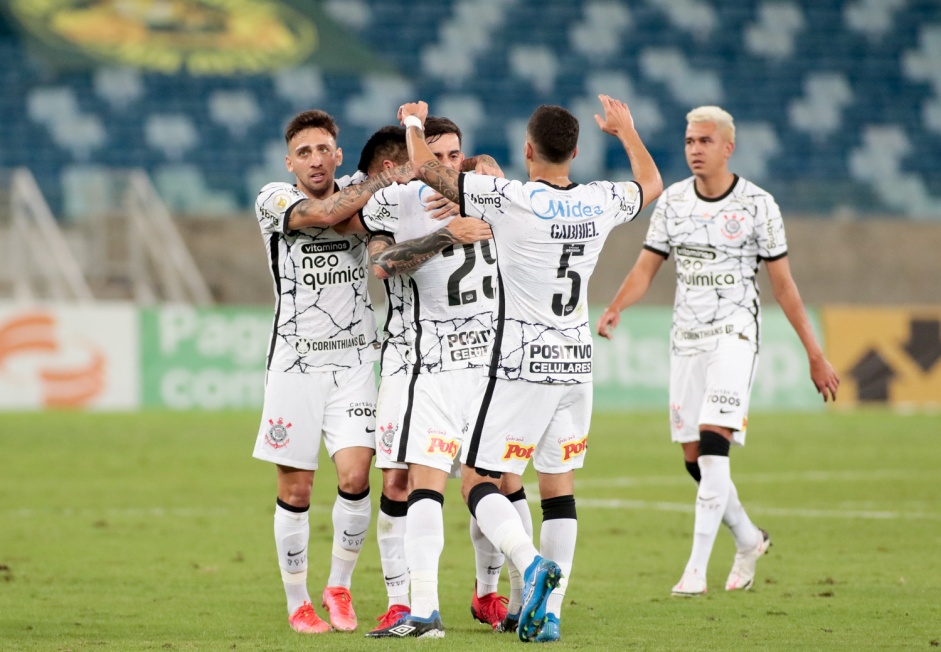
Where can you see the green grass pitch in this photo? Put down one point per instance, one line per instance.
(153, 531)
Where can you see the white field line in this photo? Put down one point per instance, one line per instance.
(741, 479)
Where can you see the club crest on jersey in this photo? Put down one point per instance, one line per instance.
(515, 451)
(447, 447)
(571, 448)
(277, 435)
(732, 226)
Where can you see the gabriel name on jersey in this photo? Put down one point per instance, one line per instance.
(323, 317)
(452, 295)
(718, 244)
(548, 240)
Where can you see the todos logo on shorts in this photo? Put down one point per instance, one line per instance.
(572, 448)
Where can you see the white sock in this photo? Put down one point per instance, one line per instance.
(390, 535)
(424, 541)
(501, 523)
(291, 536)
(350, 524)
(745, 532)
(516, 575)
(488, 558)
(711, 502)
(557, 542)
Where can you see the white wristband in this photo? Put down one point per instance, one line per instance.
(412, 121)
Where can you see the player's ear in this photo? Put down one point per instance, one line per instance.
(339, 157)
(288, 164)
(729, 148)
(575, 152)
(387, 164)
(528, 151)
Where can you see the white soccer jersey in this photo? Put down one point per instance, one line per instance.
(452, 293)
(718, 245)
(548, 240)
(397, 331)
(323, 318)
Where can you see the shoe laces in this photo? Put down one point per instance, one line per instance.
(306, 613)
(395, 613)
(341, 595)
(490, 606)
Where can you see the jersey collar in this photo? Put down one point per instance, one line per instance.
(720, 197)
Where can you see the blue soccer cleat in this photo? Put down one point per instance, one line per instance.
(550, 632)
(540, 579)
(412, 626)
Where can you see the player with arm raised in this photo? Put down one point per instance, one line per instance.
(548, 233)
(720, 227)
(450, 280)
(319, 383)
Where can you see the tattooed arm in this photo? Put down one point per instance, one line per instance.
(391, 259)
(426, 166)
(341, 205)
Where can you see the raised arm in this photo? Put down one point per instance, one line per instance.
(393, 259)
(618, 122)
(341, 205)
(426, 166)
(633, 287)
(785, 291)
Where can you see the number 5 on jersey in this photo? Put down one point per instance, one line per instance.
(568, 249)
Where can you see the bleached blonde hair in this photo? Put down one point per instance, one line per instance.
(722, 119)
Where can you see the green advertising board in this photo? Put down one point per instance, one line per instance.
(210, 359)
(214, 359)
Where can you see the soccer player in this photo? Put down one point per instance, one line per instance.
(720, 227)
(319, 382)
(536, 401)
(452, 297)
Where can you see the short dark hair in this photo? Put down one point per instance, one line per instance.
(387, 143)
(436, 126)
(553, 132)
(313, 119)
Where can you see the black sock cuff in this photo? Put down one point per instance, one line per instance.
(517, 495)
(558, 507)
(478, 493)
(425, 494)
(392, 507)
(291, 508)
(712, 443)
(693, 469)
(353, 497)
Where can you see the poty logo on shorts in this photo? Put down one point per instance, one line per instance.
(572, 448)
(447, 446)
(547, 208)
(515, 451)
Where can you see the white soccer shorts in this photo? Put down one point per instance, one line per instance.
(299, 409)
(712, 388)
(515, 421)
(434, 418)
(392, 392)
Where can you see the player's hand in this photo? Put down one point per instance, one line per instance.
(617, 117)
(440, 207)
(419, 109)
(402, 173)
(608, 321)
(825, 378)
(467, 230)
(487, 165)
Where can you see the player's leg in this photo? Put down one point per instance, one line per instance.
(349, 435)
(393, 504)
(428, 440)
(567, 439)
(290, 436)
(488, 454)
(687, 386)
(512, 487)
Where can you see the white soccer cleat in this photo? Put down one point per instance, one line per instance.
(743, 569)
(690, 585)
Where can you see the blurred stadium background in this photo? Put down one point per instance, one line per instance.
(134, 135)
